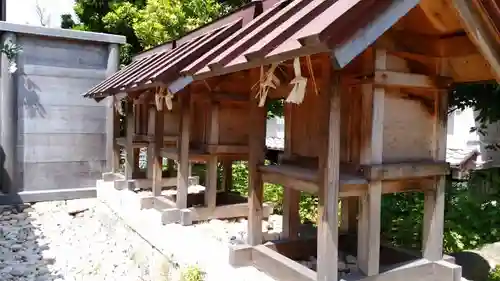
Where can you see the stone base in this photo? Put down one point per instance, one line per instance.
(184, 245)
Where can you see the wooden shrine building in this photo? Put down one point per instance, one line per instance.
(205, 124)
(366, 84)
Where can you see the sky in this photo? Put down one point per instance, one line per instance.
(24, 11)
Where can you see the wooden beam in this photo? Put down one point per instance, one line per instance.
(426, 46)
(281, 267)
(183, 151)
(479, 34)
(394, 79)
(226, 211)
(288, 181)
(329, 169)
(407, 170)
(219, 149)
(213, 139)
(221, 97)
(298, 248)
(257, 135)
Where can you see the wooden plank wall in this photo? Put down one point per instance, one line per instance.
(171, 120)
(234, 123)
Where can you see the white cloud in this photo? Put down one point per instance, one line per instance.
(24, 11)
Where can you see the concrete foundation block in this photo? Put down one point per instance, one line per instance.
(186, 217)
(169, 216)
(112, 177)
(147, 202)
(240, 255)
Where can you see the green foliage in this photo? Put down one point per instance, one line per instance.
(483, 98)
(193, 273)
(145, 23)
(472, 216)
(275, 108)
(494, 274)
(164, 20)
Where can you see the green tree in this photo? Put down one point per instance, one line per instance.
(145, 23)
(164, 20)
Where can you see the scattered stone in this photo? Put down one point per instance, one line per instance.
(70, 240)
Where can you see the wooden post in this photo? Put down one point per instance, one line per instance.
(116, 147)
(151, 144)
(369, 213)
(227, 175)
(434, 203)
(213, 138)
(257, 144)
(183, 151)
(170, 167)
(291, 197)
(349, 213)
(129, 147)
(329, 169)
(157, 159)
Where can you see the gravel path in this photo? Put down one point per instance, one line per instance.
(76, 240)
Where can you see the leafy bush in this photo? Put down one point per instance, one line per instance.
(494, 274)
(472, 217)
(193, 273)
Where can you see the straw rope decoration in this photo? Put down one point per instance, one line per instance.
(311, 72)
(118, 105)
(299, 84)
(162, 97)
(266, 81)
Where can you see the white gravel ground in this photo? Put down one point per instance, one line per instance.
(46, 243)
(82, 240)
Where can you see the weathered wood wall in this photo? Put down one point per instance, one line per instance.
(59, 137)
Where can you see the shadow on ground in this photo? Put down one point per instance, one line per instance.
(22, 257)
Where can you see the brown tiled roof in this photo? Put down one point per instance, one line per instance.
(299, 28)
(164, 63)
(284, 30)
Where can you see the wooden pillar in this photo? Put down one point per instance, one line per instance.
(170, 167)
(329, 169)
(183, 151)
(129, 146)
(434, 203)
(349, 213)
(371, 153)
(227, 175)
(157, 159)
(151, 144)
(211, 176)
(257, 145)
(291, 197)
(112, 118)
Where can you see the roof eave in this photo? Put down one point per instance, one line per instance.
(477, 30)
